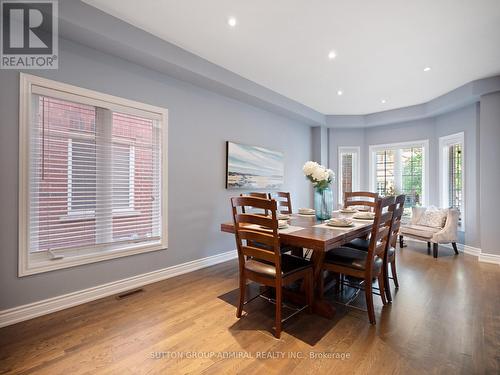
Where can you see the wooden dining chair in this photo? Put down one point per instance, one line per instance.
(366, 265)
(361, 198)
(283, 200)
(391, 247)
(260, 259)
(262, 195)
(363, 244)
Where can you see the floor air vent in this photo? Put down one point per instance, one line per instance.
(129, 293)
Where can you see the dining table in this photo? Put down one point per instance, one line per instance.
(309, 232)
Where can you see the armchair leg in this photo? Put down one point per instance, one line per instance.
(401, 242)
(454, 244)
(435, 250)
(428, 248)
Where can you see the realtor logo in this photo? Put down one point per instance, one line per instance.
(29, 34)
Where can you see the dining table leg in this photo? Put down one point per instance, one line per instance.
(320, 305)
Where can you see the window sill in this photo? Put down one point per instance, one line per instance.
(40, 262)
(82, 216)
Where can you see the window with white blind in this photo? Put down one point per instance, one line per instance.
(92, 179)
(348, 171)
(400, 168)
(451, 181)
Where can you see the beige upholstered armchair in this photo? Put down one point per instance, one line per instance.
(432, 225)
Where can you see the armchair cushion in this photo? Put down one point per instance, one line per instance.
(433, 217)
(416, 214)
(418, 230)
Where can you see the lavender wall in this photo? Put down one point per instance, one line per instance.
(460, 120)
(200, 122)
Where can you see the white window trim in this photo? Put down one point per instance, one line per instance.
(356, 151)
(44, 261)
(444, 143)
(395, 146)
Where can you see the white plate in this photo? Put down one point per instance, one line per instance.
(362, 217)
(339, 224)
(344, 211)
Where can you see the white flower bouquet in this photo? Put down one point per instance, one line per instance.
(320, 176)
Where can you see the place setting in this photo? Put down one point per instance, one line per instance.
(364, 215)
(307, 212)
(348, 210)
(337, 223)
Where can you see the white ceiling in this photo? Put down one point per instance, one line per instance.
(382, 46)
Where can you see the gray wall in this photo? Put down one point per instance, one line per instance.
(199, 124)
(489, 146)
(464, 119)
(346, 138)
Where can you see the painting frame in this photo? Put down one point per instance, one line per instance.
(252, 167)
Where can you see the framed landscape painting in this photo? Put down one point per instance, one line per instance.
(253, 167)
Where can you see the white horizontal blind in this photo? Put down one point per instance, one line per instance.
(94, 177)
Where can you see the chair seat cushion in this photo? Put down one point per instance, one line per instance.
(289, 264)
(359, 244)
(353, 258)
(418, 230)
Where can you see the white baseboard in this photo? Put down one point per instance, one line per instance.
(466, 249)
(489, 258)
(47, 306)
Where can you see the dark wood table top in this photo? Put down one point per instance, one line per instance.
(321, 239)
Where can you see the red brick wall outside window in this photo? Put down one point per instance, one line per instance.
(64, 180)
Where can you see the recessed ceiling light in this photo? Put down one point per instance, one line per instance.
(427, 68)
(340, 92)
(332, 54)
(383, 101)
(231, 21)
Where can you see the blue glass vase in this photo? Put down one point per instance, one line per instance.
(323, 203)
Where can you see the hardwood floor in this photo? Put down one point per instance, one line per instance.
(445, 319)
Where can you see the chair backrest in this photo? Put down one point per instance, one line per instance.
(361, 198)
(256, 235)
(396, 219)
(250, 209)
(380, 234)
(284, 201)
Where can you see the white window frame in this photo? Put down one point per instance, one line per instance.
(444, 144)
(373, 149)
(355, 151)
(44, 261)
